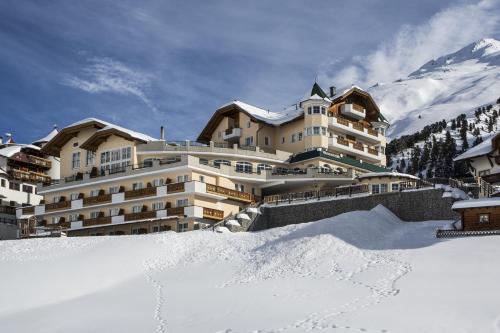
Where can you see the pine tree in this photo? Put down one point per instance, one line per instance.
(478, 140)
(424, 160)
(453, 124)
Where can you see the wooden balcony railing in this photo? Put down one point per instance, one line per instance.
(358, 108)
(179, 211)
(97, 221)
(233, 194)
(44, 163)
(343, 121)
(97, 200)
(58, 205)
(176, 187)
(358, 146)
(342, 141)
(373, 132)
(20, 175)
(140, 216)
(9, 210)
(373, 151)
(143, 192)
(357, 126)
(213, 214)
(29, 210)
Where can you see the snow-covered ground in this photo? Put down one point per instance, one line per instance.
(358, 272)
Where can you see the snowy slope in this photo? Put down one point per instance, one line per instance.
(442, 88)
(358, 272)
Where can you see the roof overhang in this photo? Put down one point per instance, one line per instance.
(369, 98)
(101, 136)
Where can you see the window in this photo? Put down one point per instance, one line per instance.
(75, 161)
(263, 166)
(56, 199)
(202, 178)
(316, 130)
(116, 158)
(239, 187)
(266, 141)
(283, 139)
(94, 193)
(382, 150)
(136, 209)
(136, 186)
(3, 182)
(323, 130)
(73, 217)
(309, 110)
(308, 131)
(156, 228)
(183, 227)
(182, 202)
(182, 178)
(74, 196)
(293, 138)
(244, 167)
(249, 141)
(114, 211)
(55, 219)
(300, 136)
(203, 161)
(249, 125)
(158, 182)
(90, 158)
(219, 134)
(394, 187)
(94, 215)
(383, 188)
(27, 189)
(218, 163)
(158, 205)
(484, 218)
(316, 109)
(114, 189)
(323, 110)
(375, 188)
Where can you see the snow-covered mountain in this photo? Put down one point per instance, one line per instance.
(442, 88)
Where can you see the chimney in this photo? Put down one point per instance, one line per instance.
(162, 133)
(333, 91)
(1, 140)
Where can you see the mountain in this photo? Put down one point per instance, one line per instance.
(442, 88)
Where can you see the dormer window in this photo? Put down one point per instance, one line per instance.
(316, 109)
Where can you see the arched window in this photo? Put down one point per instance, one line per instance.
(263, 166)
(244, 167)
(218, 163)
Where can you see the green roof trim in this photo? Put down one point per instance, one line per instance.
(345, 160)
(316, 90)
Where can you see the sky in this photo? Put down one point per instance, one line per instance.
(143, 64)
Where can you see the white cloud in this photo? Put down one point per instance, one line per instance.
(107, 75)
(445, 32)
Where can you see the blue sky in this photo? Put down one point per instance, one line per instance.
(146, 63)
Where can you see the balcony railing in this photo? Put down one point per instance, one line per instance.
(358, 146)
(342, 141)
(58, 205)
(233, 194)
(371, 131)
(28, 210)
(232, 133)
(175, 188)
(10, 210)
(140, 216)
(97, 221)
(143, 192)
(97, 199)
(44, 163)
(372, 151)
(213, 214)
(356, 126)
(173, 211)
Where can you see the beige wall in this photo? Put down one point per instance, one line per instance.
(223, 125)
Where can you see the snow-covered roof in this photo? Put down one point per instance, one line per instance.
(134, 134)
(481, 149)
(8, 151)
(476, 203)
(387, 174)
(270, 117)
(48, 137)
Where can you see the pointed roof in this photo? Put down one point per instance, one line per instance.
(316, 90)
(48, 137)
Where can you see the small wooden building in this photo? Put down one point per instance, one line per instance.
(479, 214)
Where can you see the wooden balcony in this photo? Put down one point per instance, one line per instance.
(343, 121)
(105, 198)
(58, 205)
(342, 141)
(41, 162)
(39, 178)
(175, 211)
(29, 210)
(358, 108)
(176, 187)
(20, 175)
(357, 126)
(143, 192)
(232, 194)
(97, 221)
(372, 151)
(140, 216)
(358, 146)
(371, 131)
(9, 210)
(213, 214)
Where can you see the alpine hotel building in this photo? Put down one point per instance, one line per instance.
(116, 181)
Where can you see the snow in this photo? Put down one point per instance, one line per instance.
(48, 137)
(253, 210)
(448, 86)
(108, 126)
(386, 174)
(270, 117)
(10, 150)
(363, 271)
(243, 216)
(481, 149)
(233, 223)
(474, 203)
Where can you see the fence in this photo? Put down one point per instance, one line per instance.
(317, 194)
(460, 233)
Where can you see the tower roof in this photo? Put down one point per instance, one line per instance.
(316, 90)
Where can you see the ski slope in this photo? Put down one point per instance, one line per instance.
(362, 271)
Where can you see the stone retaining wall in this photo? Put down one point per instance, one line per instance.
(420, 205)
